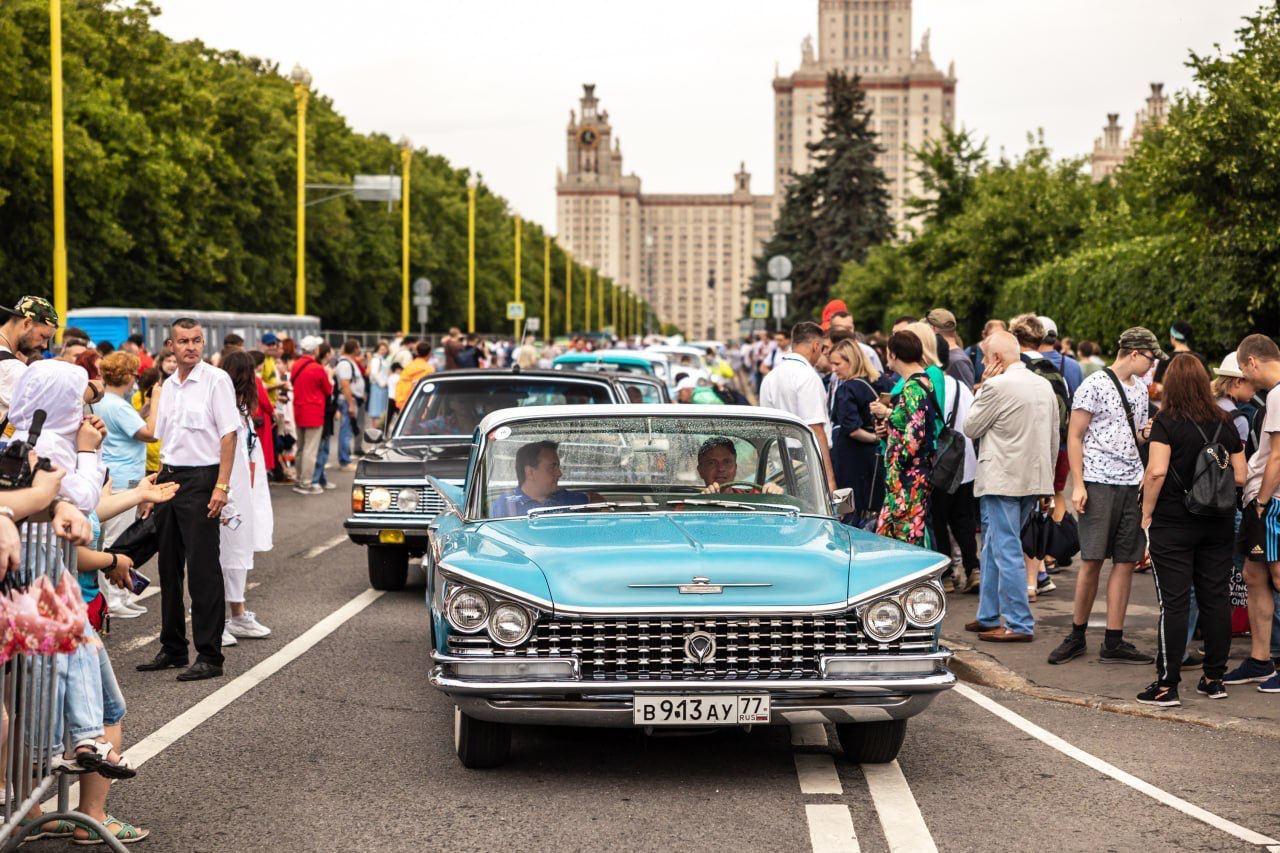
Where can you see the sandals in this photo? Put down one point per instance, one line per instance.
(97, 760)
(126, 834)
(58, 828)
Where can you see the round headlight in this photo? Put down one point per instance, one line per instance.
(884, 621)
(510, 625)
(379, 500)
(467, 611)
(925, 606)
(407, 500)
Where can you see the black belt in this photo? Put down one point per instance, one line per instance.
(180, 468)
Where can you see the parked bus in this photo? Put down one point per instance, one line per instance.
(117, 324)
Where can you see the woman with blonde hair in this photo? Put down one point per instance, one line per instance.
(854, 446)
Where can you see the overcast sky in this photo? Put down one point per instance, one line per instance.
(489, 83)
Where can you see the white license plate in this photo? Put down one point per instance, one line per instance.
(700, 710)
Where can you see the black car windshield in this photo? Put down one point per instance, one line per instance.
(649, 463)
(456, 406)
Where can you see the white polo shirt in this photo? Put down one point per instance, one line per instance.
(10, 370)
(194, 416)
(794, 386)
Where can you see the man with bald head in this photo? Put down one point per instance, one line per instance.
(1015, 415)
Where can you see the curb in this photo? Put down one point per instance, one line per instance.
(976, 667)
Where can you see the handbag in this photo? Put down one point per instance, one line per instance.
(139, 541)
(1035, 534)
(1064, 539)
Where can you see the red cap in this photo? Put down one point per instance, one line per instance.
(835, 306)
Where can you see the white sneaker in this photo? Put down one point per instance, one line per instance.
(303, 490)
(123, 611)
(227, 638)
(331, 486)
(315, 489)
(247, 626)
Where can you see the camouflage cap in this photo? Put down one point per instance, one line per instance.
(1142, 340)
(38, 309)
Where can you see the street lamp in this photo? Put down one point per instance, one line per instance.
(568, 293)
(472, 183)
(586, 302)
(406, 162)
(59, 202)
(301, 79)
(546, 287)
(519, 224)
(649, 245)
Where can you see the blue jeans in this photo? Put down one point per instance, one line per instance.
(346, 431)
(1003, 591)
(322, 458)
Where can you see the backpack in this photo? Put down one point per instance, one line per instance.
(1213, 484)
(1044, 368)
(949, 451)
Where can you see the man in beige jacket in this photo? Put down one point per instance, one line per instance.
(1014, 419)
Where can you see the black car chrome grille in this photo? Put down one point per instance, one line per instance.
(746, 648)
(430, 502)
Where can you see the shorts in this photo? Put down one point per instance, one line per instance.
(1111, 524)
(1060, 472)
(1259, 536)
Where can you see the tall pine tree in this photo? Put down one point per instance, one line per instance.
(837, 211)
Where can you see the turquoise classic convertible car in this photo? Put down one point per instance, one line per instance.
(671, 566)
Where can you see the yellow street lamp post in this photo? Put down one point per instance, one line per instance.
(586, 302)
(613, 314)
(568, 293)
(406, 162)
(516, 331)
(472, 184)
(600, 303)
(59, 202)
(546, 287)
(301, 80)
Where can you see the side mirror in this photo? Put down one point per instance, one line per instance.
(373, 435)
(841, 502)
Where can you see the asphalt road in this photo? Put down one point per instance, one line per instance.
(326, 736)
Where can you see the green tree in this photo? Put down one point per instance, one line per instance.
(835, 213)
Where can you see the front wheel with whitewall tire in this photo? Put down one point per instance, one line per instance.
(480, 743)
(872, 743)
(388, 567)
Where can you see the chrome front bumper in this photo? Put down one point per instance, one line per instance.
(609, 703)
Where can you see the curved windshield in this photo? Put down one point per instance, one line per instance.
(664, 463)
(456, 407)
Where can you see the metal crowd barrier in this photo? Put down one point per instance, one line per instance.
(29, 691)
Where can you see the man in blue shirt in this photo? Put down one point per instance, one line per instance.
(538, 476)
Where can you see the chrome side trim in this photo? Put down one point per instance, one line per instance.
(902, 583)
(472, 579)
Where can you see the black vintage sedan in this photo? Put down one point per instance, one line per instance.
(392, 500)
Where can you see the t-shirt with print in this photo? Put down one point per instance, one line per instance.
(1110, 455)
(1258, 462)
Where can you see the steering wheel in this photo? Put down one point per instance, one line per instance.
(745, 484)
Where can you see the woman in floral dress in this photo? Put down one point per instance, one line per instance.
(907, 429)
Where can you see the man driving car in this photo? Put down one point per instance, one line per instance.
(538, 476)
(718, 468)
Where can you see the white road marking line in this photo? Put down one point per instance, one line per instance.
(141, 642)
(831, 829)
(904, 826)
(186, 722)
(1107, 769)
(324, 546)
(808, 734)
(817, 772)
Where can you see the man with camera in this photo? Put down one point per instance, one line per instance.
(196, 424)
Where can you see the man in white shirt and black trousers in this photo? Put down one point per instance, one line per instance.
(196, 425)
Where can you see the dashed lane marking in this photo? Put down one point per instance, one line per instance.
(831, 829)
(186, 722)
(817, 773)
(1049, 738)
(904, 826)
(808, 734)
(312, 553)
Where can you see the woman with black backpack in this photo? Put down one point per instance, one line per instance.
(1188, 506)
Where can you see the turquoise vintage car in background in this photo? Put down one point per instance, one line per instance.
(671, 566)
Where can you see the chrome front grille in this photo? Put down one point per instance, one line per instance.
(430, 502)
(746, 648)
